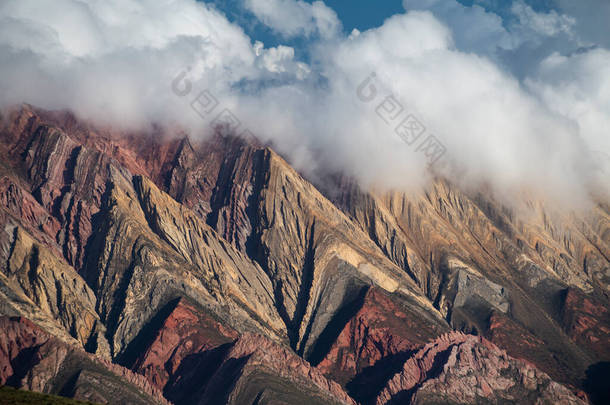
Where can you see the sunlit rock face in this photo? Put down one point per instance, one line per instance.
(458, 368)
(210, 271)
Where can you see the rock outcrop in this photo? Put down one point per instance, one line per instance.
(217, 273)
(378, 336)
(30, 358)
(164, 354)
(194, 358)
(587, 321)
(474, 257)
(465, 369)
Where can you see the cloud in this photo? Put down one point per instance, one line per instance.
(577, 86)
(474, 29)
(114, 61)
(517, 33)
(292, 18)
(279, 60)
(493, 128)
(131, 64)
(547, 24)
(591, 19)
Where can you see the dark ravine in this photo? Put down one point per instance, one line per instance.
(149, 268)
(34, 360)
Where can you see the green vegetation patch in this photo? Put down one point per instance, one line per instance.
(13, 396)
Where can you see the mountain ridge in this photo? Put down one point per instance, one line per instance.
(150, 229)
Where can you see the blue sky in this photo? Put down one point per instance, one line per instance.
(369, 14)
(364, 14)
(358, 14)
(361, 15)
(353, 14)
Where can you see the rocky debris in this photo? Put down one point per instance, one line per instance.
(464, 286)
(512, 320)
(32, 359)
(459, 368)
(523, 344)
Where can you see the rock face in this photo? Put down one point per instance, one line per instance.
(185, 332)
(587, 321)
(493, 270)
(463, 369)
(55, 288)
(374, 342)
(256, 370)
(31, 358)
(193, 358)
(212, 272)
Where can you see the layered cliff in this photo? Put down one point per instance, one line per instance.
(498, 271)
(35, 360)
(460, 369)
(217, 273)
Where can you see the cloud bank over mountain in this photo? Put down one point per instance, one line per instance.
(519, 98)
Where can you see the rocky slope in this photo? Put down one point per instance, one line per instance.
(35, 360)
(218, 274)
(458, 368)
(490, 273)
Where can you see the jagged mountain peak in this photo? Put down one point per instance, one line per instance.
(217, 273)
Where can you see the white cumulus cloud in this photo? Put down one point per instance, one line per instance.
(117, 63)
(291, 18)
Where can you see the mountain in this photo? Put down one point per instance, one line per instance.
(149, 268)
